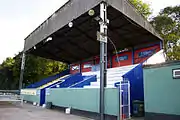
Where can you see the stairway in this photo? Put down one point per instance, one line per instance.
(114, 75)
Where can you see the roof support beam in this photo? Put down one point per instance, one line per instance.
(23, 59)
(103, 57)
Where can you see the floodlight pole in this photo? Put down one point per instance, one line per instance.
(103, 55)
(22, 70)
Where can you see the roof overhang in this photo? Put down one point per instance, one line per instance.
(127, 28)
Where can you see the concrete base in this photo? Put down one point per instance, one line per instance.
(86, 114)
(159, 116)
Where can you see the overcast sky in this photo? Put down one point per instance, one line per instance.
(18, 18)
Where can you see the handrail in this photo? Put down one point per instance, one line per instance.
(58, 83)
(11, 98)
(53, 82)
(9, 91)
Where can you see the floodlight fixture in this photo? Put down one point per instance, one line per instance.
(49, 39)
(70, 24)
(91, 12)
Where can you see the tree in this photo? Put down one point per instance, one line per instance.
(36, 68)
(167, 23)
(142, 7)
(8, 63)
(6, 73)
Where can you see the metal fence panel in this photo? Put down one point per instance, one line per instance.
(124, 100)
(10, 98)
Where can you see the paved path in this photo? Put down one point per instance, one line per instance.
(28, 112)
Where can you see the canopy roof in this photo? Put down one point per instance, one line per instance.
(127, 28)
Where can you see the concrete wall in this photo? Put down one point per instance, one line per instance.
(32, 98)
(30, 95)
(84, 99)
(162, 92)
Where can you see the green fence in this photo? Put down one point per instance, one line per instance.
(161, 90)
(84, 99)
(30, 95)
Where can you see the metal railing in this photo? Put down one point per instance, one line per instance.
(11, 96)
(9, 91)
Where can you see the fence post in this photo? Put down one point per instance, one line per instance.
(119, 102)
(129, 100)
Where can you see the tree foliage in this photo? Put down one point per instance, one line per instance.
(142, 7)
(36, 68)
(167, 23)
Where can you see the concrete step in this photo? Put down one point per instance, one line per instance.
(112, 80)
(108, 86)
(112, 73)
(98, 83)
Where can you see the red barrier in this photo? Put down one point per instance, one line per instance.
(143, 54)
(86, 66)
(124, 58)
(74, 68)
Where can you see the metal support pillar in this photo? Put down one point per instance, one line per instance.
(133, 54)
(80, 67)
(22, 71)
(129, 100)
(103, 55)
(69, 67)
(161, 45)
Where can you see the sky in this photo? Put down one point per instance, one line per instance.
(18, 18)
(157, 5)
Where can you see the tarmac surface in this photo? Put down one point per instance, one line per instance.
(29, 112)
